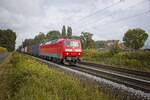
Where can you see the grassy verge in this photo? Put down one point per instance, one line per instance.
(27, 79)
(135, 60)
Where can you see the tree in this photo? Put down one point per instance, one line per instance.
(39, 38)
(69, 32)
(64, 32)
(100, 44)
(76, 37)
(135, 38)
(115, 47)
(86, 39)
(53, 35)
(27, 42)
(8, 39)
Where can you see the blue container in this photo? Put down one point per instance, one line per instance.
(35, 50)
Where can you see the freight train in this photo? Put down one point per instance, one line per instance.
(67, 51)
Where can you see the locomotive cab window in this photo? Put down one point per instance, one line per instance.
(72, 43)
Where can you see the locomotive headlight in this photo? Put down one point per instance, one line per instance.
(68, 49)
(79, 54)
(67, 53)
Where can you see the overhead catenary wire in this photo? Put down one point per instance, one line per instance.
(98, 11)
(101, 10)
(127, 18)
(120, 20)
(89, 25)
(101, 19)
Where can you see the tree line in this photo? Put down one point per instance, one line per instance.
(85, 37)
(8, 39)
(133, 38)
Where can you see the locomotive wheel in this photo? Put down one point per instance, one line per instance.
(69, 62)
(65, 62)
(73, 63)
(58, 60)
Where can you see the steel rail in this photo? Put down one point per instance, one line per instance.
(135, 83)
(117, 69)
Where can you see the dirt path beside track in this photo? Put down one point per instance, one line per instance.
(5, 70)
(3, 56)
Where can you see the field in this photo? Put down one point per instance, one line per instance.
(135, 60)
(23, 78)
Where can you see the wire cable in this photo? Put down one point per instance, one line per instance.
(98, 11)
(98, 22)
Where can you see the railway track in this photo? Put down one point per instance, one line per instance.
(134, 79)
(122, 78)
(138, 74)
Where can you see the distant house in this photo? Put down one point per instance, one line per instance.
(111, 43)
(122, 45)
(106, 45)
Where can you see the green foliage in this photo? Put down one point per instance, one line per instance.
(39, 38)
(69, 32)
(135, 38)
(51, 35)
(138, 55)
(86, 39)
(136, 60)
(8, 39)
(76, 37)
(31, 80)
(100, 44)
(28, 42)
(3, 50)
(64, 31)
(95, 55)
(115, 48)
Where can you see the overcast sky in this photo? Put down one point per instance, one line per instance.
(106, 19)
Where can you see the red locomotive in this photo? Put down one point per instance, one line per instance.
(63, 50)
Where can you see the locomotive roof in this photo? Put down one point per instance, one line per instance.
(56, 40)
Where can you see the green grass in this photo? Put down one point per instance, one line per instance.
(135, 60)
(27, 79)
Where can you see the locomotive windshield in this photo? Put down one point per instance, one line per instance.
(72, 43)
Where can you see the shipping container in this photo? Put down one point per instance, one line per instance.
(25, 49)
(22, 49)
(29, 50)
(35, 50)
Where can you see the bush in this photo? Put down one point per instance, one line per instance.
(137, 60)
(139, 55)
(3, 50)
(94, 55)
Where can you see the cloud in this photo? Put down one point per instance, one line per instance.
(28, 18)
